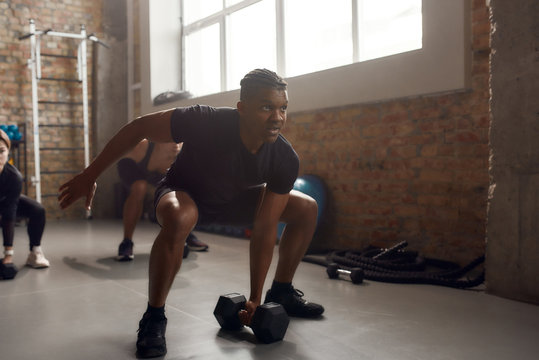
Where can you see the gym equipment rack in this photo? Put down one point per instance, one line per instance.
(34, 63)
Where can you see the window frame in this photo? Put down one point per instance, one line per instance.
(442, 65)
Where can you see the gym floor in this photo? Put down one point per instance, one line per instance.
(87, 306)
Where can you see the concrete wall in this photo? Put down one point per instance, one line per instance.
(110, 93)
(513, 211)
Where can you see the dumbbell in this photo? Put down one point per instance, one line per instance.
(269, 322)
(356, 274)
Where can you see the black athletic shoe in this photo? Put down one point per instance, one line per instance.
(151, 337)
(125, 251)
(294, 304)
(195, 244)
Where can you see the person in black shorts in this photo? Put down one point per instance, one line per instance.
(14, 205)
(235, 167)
(145, 165)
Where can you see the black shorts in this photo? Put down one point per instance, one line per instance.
(130, 172)
(240, 211)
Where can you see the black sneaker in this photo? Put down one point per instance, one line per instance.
(195, 244)
(294, 304)
(151, 337)
(125, 251)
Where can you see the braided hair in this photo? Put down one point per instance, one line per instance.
(260, 78)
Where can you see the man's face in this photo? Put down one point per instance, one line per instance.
(4, 152)
(263, 114)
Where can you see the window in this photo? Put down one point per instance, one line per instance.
(422, 49)
(318, 35)
(223, 40)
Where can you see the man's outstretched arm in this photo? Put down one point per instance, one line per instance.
(155, 127)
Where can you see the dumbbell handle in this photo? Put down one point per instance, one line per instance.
(344, 272)
(356, 274)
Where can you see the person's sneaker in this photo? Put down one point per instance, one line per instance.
(151, 337)
(125, 251)
(195, 244)
(295, 305)
(36, 259)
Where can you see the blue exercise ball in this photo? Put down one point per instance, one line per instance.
(315, 187)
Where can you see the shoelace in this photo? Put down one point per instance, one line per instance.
(146, 326)
(298, 295)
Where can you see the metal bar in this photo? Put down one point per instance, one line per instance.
(84, 74)
(59, 102)
(60, 56)
(38, 56)
(61, 148)
(59, 79)
(61, 125)
(66, 35)
(35, 117)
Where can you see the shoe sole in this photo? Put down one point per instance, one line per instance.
(151, 353)
(38, 266)
(197, 248)
(124, 258)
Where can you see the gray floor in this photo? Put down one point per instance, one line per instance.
(87, 306)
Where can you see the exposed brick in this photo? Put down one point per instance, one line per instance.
(16, 103)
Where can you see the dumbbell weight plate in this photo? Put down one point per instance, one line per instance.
(270, 322)
(357, 275)
(332, 271)
(226, 311)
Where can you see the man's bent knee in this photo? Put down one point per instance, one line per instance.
(177, 211)
(300, 206)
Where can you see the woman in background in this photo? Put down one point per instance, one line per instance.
(13, 205)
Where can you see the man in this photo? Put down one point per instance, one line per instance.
(145, 165)
(235, 167)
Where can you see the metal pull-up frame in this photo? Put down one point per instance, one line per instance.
(34, 63)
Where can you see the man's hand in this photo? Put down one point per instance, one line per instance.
(246, 315)
(79, 186)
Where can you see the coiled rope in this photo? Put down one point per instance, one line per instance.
(395, 265)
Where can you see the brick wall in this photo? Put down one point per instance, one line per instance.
(15, 79)
(413, 169)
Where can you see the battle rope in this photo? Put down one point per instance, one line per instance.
(395, 265)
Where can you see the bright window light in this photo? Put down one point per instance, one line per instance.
(194, 10)
(388, 27)
(232, 2)
(291, 37)
(318, 35)
(202, 64)
(251, 41)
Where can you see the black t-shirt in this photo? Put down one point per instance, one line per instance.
(10, 191)
(215, 167)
